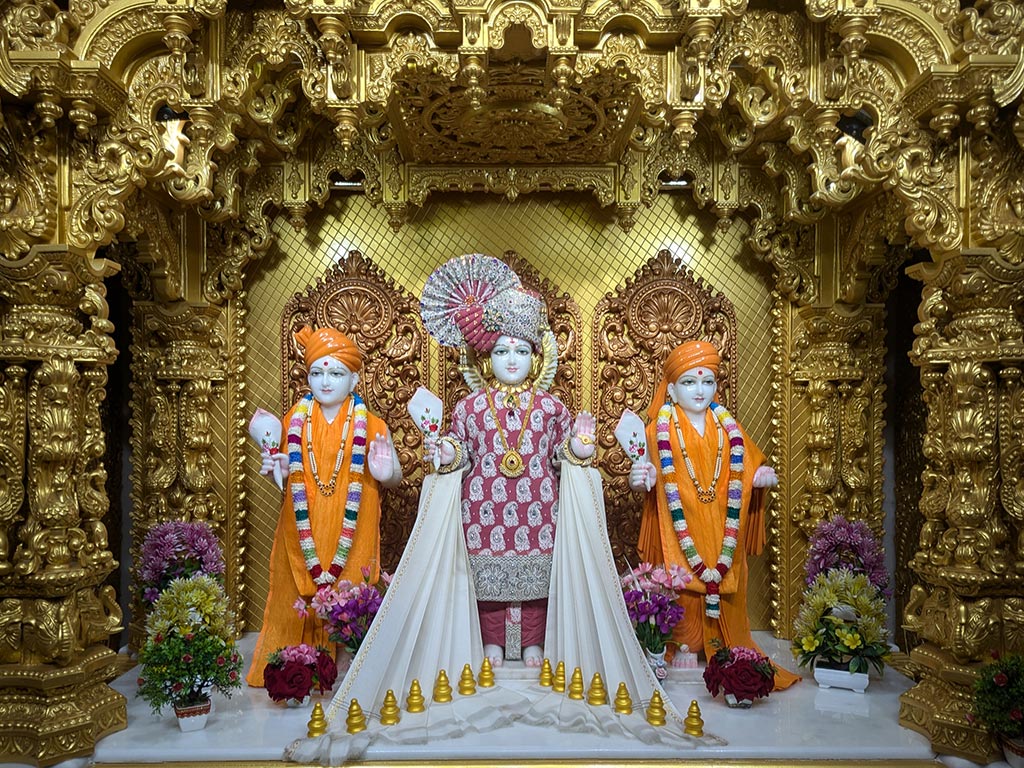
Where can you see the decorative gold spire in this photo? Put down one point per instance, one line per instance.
(317, 725)
(694, 723)
(356, 720)
(414, 701)
(576, 684)
(546, 676)
(623, 704)
(467, 683)
(486, 677)
(442, 688)
(558, 684)
(596, 694)
(389, 712)
(656, 710)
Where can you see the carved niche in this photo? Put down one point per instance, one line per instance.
(635, 327)
(358, 299)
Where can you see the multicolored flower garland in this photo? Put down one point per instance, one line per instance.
(712, 577)
(297, 485)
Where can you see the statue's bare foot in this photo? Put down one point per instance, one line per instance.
(533, 655)
(496, 654)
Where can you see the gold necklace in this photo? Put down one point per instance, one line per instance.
(510, 392)
(512, 464)
(709, 494)
(330, 487)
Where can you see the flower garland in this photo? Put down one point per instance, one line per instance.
(297, 486)
(712, 577)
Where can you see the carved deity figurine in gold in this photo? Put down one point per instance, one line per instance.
(508, 438)
(338, 457)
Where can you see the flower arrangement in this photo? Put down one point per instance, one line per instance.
(293, 671)
(190, 648)
(347, 609)
(650, 593)
(839, 543)
(176, 550)
(999, 697)
(841, 622)
(742, 673)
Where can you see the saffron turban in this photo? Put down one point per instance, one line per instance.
(329, 341)
(691, 354)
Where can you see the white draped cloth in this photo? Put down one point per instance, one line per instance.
(428, 622)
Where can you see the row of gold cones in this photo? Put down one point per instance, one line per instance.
(596, 695)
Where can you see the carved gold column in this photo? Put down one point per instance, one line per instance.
(55, 613)
(970, 560)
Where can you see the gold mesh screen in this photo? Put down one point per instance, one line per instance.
(567, 238)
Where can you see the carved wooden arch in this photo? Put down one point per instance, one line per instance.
(358, 299)
(634, 329)
(564, 319)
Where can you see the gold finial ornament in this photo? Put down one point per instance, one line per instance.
(389, 711)
(317, 725)
(576, 684)
(356, 720)
(656, 710)
(597, 694)
(547, 677)
(486, 676)
(558, 684)
(414, 702)
(442, 688)
(623, 704)
(467, 683)
(693, 725)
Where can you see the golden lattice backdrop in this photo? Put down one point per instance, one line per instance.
(567, 238)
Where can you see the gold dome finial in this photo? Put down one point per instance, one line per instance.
(558, 684)
(623, 704)
(547, 677)
(389, 712)
(317, 725)
(694, 723)
(656, 709)
(442, 688)
(467, 683)
(356, 720)
(486, 677)
(596, 694)
(414, 701)
(576, 684)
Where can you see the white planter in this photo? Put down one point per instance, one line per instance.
(192, 718)
(1013, 751)
(841, 678)
(297, 702)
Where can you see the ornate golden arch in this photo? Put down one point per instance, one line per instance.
(634, 329)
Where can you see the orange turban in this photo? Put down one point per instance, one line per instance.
(681, 359)
(329, 341)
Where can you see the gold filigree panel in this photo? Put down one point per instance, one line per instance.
(567, 240)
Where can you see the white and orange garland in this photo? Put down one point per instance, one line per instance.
(712, 577)
(297, 485)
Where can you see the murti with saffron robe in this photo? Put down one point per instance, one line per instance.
(289, 573)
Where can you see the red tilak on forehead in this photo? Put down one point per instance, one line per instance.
(326, 363)
(700, 372)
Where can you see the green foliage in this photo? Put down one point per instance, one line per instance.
(999, 696)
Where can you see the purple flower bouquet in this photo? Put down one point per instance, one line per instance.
(176, 550)
(839, 543)
(650, 593)
(347, 609)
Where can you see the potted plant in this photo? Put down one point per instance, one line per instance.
(741, 674)
(190, 650)
(999, 704)
(650, 593)
(293, 671)
(347, 609)
(839, 543)
(840, 630)
(175, 550)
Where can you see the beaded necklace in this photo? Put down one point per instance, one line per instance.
(331, 486)
(297, 486)
(712, 577)
(511, 464)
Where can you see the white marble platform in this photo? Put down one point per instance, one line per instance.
(804, 723)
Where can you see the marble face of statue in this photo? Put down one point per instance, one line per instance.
(694, 390)
(330, 381)
(510, 360)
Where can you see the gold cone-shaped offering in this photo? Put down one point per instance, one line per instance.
(693, 725)
(596, 693)
(442, 688)
(576, 684)
(356, 720)
(656, 710)
(486, 678)
(547, 677)
(558, 683)
(414, 701)
(389, 712)
(623, 704)
(317, 725)
(467, 683)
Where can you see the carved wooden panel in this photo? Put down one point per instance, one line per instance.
(564, 319)
(358, 299)
(634, 329)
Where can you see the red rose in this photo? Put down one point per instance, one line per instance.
(232, 676)
(1016, 715)
(141, 682)
(187, 658)
(1000, 679)
(713, 676)
(744, 681)
(326, 671)
(433, 427)
(177, 687)
(221, 661)
(296, 680)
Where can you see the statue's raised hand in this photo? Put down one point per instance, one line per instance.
(642, 476)
(383, 461)
(765, 477)
(443, 448)
(582, 443)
